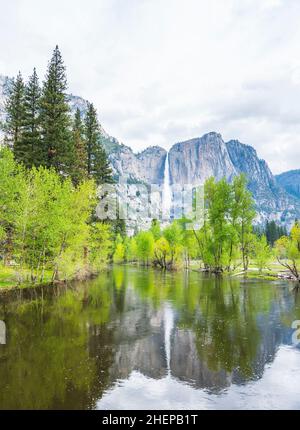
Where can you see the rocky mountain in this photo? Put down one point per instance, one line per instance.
(290, 181)
(192, 162)
(146, 167)
(195, 160)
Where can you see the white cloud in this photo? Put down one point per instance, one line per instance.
(164, 71)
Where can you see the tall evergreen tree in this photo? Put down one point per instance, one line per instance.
(31, 139)
(98, 166)
(274, 232)
(15, 116)
(79, 168)
(55, 119)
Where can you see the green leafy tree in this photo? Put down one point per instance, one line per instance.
(119, 254)
(226, 237)
(131, 250)
(174, 235)
(162, 253)
(262, 252)
(218, 200)
(156, 229)
(145, 246)
(288, 251)
(12, 188)
(99, 245)
(242, 215)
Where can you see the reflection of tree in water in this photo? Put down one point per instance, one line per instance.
(67, 346)
(227, 336)
(288, 316)
(49, 360)
(222, 314)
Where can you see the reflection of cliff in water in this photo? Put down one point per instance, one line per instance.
(141, 344)
(69, 347)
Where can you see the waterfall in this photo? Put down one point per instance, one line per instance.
(168, 327)
(167, 193)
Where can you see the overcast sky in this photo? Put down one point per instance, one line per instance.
(163, 71)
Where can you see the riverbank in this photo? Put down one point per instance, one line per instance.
(71, 340)
(9, 279)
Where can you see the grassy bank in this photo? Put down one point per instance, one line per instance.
(9, 275)
(273, 272)
(9, 278)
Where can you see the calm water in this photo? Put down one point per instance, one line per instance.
(136, 338)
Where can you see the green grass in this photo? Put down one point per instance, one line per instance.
(270, 273)
(7, 277)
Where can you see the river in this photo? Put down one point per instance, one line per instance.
(137, 338)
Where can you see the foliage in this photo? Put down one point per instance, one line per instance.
(31, 135)
(262, 252)
(145, 246)
(274, 231)
(223, 242)
(288, 251)
(55, 119)
(97, 163)
(226, 236)
(15, 112)
(79, 167)
(41, 131)
(45, 223)
(120, 250)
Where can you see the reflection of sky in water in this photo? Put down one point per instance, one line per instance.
(136, 338)
(279, 388)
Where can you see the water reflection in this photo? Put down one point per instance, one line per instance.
(138, 338)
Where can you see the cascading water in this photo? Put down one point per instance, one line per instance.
(167, 193)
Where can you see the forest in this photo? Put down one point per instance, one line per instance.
(51, 164)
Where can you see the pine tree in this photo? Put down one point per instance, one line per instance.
(79, 170)
(91, 131)
(15, 117)
(55, 119)
(31, 139)
(103, 171)
(97, 162)
(274, 232)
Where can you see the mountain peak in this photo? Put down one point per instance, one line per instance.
(212, 135)
(290, 181)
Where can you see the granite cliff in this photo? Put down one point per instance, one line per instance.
(192, 162)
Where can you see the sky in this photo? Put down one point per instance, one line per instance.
(164, 71)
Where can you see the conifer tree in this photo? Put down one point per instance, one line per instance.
(97, 162)
(79, 170)
(55, 119)
(31, 139)
(15, 116)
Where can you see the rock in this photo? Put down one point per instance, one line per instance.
(290, 181)
(194, 161)
(191, 163)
